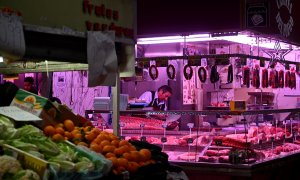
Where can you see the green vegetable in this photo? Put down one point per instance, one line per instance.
(36, 154)
(6, 122)
(65, 166)
(26, 175)
(9, 164)
(84, 166)
(66, 152)
(55, 166)
(27, 130)
(17, 143)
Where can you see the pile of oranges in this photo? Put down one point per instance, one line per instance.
(123, 154)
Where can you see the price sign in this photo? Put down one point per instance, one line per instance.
(189, 140)
(142, 125)
(18, 114)
(143, 138)
(163, 139)
(218, 142)
(12, 43)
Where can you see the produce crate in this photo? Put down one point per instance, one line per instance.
(28, 161)
(43, 108)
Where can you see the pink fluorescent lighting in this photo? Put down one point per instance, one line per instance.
(240, 38)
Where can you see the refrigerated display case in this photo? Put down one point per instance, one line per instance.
(246, 149)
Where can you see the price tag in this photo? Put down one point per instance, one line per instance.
(12, 43)
(189, 140)
(142, 125)
(218, 142)
(164, 125)
(163, 139)
(190, 125)
(122, 125)
(143, 138)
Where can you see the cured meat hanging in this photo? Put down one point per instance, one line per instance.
(246, 76)
(255, 78)
(293, 80)
(153, 71)
(230, 74)
(214, 75)
(171, 71)
(287, 81)
(188, 72)
(202, 74)
(273, 79)
(281, 79)
(265, 78)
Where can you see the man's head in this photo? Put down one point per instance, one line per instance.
(28, 83)
(164, 92)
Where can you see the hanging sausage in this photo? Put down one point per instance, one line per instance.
(214, 75)
(171, 71)
(153, 71)
(280, 79)
(188, 72)
(202, 74)
(276, 79)
(293, 80)
(246, 76)
(264, 78)
(255, 78)
(287, 81)
(230, 74)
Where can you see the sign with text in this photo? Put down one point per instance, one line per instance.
(18, 114)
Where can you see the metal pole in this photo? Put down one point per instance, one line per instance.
(116, 106)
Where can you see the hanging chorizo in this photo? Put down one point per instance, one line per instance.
(255, 78)
(287, 79)
(264, 78)
(246, 76)
(280, 79)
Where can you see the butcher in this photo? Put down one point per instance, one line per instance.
(157, 101)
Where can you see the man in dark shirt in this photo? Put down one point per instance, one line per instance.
(28, 85)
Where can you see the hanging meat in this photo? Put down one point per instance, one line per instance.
(272, 78)
(246, 76)
(287, 81)
(293, 80)
(188, 72)
(171, 71)
(214, 75)
(255, 78)
(281, 79)
(276, 79)
(264, 78)
(202, 74)
(153, 71)
(230, 74)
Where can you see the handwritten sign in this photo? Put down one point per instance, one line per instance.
(12, 43)
(18, 114)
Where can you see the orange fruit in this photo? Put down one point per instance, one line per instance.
(49, 130)
(125, 148)
(132, 148)
(108, 148)
(123, 142)
(96, 131)
(146, 154)
(104, 143)
(122, 162)
(68, 135)
(136, 156)
(57, 137)
(95, 147)
(127, 156)
(114, 161)
(113, 137)
(59, 125)
(115, 143)
(109, 154)
(69, 125)
(90, 137)
(77, 136)
(60, 130)
(132, 166)
(118, 151)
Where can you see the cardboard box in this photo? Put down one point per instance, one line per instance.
(28, 161)
(43, 108)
